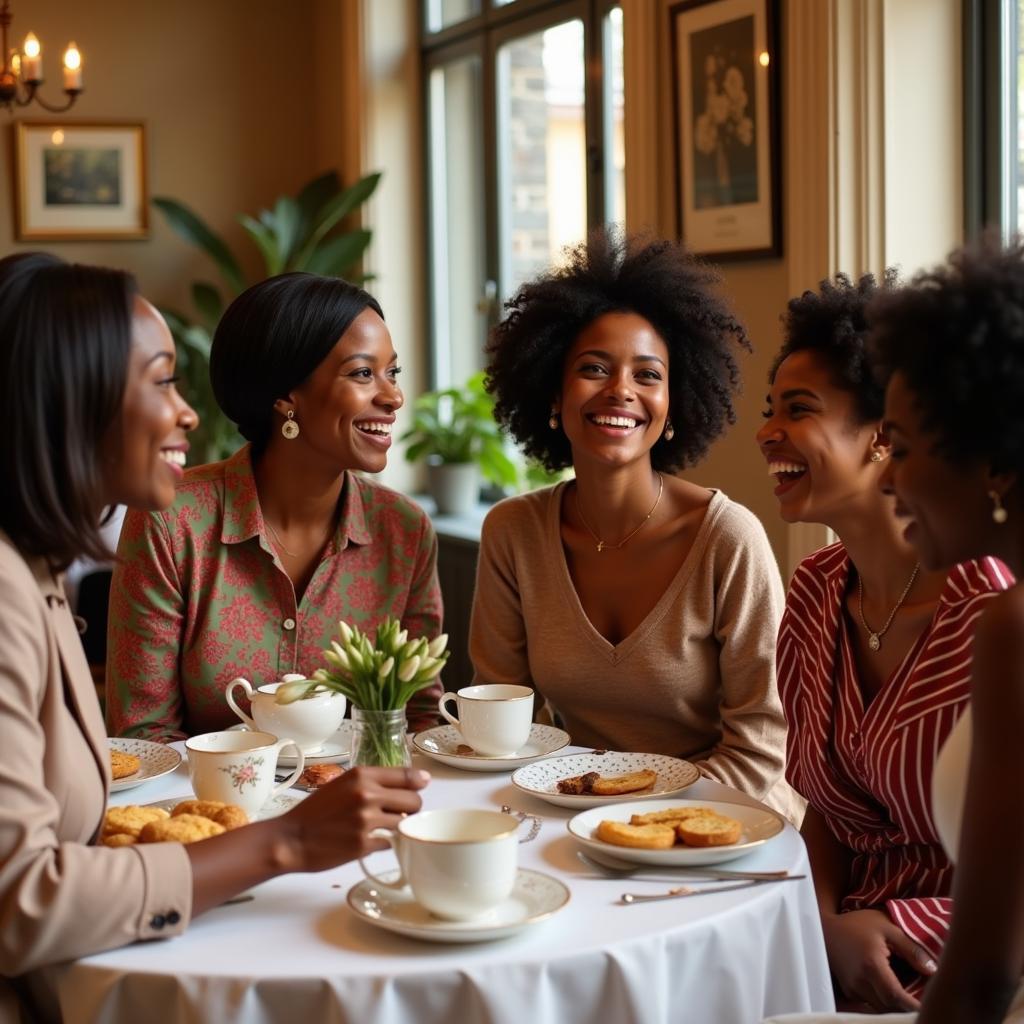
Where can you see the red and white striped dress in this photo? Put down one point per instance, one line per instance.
(868, 770)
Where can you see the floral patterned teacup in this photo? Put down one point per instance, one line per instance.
(238, 767)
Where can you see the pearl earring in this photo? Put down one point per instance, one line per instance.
(876, 456)
(290, 428)
(553, 420)
(999, 514)
(670, 431)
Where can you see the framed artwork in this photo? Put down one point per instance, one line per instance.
(80, 180)
(725, 77)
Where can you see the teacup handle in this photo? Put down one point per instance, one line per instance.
(444, 711)
(393, 839)
(300, 764)
(247, 686)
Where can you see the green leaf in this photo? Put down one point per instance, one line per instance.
(188, 226)
(285, 226)
(312, 199)
(337, 254)
(208, 302)
(264, 237)
(337, 208)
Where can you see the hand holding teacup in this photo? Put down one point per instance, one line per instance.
(494, 719)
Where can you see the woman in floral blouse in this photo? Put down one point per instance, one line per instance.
(249, 571)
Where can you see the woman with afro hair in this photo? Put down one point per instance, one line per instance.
(873, 656)
(642, 607)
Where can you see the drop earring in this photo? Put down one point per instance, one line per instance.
(290, 428)
(553, 420)
(999, 514)
(876, 456)
(670, 431)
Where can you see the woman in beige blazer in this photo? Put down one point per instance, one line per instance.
(92, 418)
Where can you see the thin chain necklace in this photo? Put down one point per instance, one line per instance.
(278, 540)
(601, 545)
(875, 639)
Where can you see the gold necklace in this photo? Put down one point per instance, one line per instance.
(277, 539)
(601, 545)
(875, 639)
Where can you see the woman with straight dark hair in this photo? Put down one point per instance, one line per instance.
(94, 419)
(250, 570)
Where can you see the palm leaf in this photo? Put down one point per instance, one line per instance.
(188, 226)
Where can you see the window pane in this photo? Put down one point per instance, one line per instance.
(541, 151)
(1015, 95)
(456, 221)
(442, 13)
(614, 134)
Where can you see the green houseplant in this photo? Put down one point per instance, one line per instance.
(299, 233)
(455, 431)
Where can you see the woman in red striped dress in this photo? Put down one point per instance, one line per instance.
(873, 659)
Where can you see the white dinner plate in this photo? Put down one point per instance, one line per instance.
(535, 897)
(443, 741)
(337, 750)
(759, 826)
(155, 759)
(275, 806)
(541, 779)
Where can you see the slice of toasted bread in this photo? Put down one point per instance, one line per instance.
(643, 837)
(670, 816)
(631, 783)
(710, 830)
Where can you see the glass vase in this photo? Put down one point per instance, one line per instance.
(378, 739)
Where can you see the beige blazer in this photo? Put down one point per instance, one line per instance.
(60, 896)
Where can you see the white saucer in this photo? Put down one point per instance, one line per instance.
(541, 780)
(535, 897)
(275, 806)
(155, 760)
(337, 750)
(442, 743)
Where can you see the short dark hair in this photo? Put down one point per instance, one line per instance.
(609, 273)
(65, 342)
(956, 334)
(272, 337)
(832, 323)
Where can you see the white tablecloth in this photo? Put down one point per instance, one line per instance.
(297, 953)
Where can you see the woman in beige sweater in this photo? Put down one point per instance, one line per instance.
(641, 606)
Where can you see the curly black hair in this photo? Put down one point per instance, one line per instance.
(956, 334)
(832, 323)
(609, 273)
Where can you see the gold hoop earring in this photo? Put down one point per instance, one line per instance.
(999, 514)
(290, 428)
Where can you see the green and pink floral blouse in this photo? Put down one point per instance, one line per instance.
(199, 597)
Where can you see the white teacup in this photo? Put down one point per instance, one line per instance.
(494, 718)
(238, 767)
(459, 864)
(309, 722)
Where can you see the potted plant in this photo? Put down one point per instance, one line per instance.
(455, 431)
(299, 233)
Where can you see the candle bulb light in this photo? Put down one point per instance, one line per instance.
(72, 69)
(21, 71)
(31, 59)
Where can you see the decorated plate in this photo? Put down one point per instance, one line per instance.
(541, 779)
(155, 760)
(444, 743)
(759, 826)
(535, 897)
(275, 806)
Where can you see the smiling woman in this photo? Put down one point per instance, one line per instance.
(260, 556)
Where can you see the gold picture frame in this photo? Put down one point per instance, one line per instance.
(81, 181)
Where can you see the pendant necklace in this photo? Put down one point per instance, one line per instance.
(875, 639)
(601, 545)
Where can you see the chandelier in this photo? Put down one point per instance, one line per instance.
(22, 72)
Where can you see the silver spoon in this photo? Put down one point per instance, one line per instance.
(709, 874)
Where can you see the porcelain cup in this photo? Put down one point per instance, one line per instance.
(460, 864)
(238, 767)
(494, 718)
(309, 722)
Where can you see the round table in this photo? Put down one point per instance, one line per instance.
(297, 952)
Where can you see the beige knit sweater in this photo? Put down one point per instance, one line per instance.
(696, 679)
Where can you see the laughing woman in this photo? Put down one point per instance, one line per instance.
(641, 606)
(260, 556)
(873, 656)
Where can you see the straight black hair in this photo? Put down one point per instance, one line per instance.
(65, 340)
(272, 337)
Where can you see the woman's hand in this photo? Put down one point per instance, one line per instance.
(333, 825)
(859, 945)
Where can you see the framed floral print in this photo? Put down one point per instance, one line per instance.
(725, 71)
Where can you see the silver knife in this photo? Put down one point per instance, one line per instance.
(629, 898)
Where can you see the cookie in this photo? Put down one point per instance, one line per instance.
(119, 839)
(204, 808)
(619, 784)
(122, 765)
(710, 830)
(317, 775)
(130, 819)
(182, 828)
(641, 837)
(670, 816)
(576, 784)
(230, 816)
